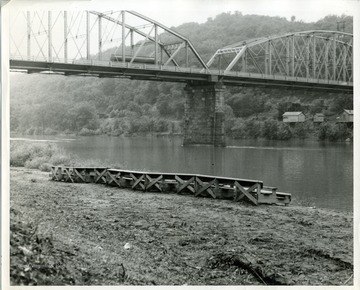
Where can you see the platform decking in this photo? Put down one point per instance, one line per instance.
(252, 191)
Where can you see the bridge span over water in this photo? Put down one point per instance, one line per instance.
(126, 44)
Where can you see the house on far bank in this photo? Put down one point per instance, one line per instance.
(293, 117)
(346, 117)
(319, 118)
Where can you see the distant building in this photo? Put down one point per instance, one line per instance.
(293, 117)
(346, 117)
(319, 118)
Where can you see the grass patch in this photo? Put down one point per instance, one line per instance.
(308, 202)
(42, 156)
(38, 155)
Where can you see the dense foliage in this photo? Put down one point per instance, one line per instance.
(50, 104)
(36, 155)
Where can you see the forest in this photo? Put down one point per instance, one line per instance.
(54, 104)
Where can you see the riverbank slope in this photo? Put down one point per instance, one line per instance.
(89, 234)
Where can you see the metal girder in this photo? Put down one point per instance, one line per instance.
(133, 29)
(138, 50)
(256, 41)
(174, 53)
(175, 34)
(174, 75)
(311, 58)
(88, 34)
(310, 54)
(221, 52)
(155, 39)
(237, 57)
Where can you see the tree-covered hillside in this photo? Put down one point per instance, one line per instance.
(50, 104)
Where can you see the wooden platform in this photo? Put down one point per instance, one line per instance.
(252, 191)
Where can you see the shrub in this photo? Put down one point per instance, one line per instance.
(22, 152)
(38, 131)
(87, 132)
(18, 158)
(68, 132)
(61, 158)
(49, 131)
(283, 132)
(300, 130)
(45, 167)
(116, 132)
(238, 130)
(270, 129)
(36, 162)
(161, 125)
(38, 155)
(252, 128)
(29, 131)
(229, 124)
(322, 132)
(333, 132)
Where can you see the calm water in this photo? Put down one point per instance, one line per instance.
(316, 173)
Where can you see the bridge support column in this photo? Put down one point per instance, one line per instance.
(204, 114)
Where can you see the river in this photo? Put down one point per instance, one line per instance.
(315, 173)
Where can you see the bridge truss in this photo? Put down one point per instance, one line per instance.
(315, 54)
(80, 37)
(127, 44)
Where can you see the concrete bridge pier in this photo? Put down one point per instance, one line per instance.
(204, 114)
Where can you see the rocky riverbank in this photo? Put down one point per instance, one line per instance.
(89, 234)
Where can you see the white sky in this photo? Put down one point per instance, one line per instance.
(176, 12)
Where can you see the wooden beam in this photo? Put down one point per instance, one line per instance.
(68, 174)
(246, 193)
(100, 175)
(79, 175)
(137, 181)
(204, 186)
(153, 182)
(185, 184)
(112, 178)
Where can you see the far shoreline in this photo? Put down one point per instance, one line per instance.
(168, 134)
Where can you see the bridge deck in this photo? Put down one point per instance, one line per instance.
(173, 74)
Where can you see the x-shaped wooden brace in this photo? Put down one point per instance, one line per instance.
(137, 181)
(206, 186)
(185, 184)
(153, 182)
(56, 173)
(112, 178)
(245, 192)
(67, 176)
(100, 175)
(78, 174)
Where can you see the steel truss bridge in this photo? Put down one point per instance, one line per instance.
(126, 44)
